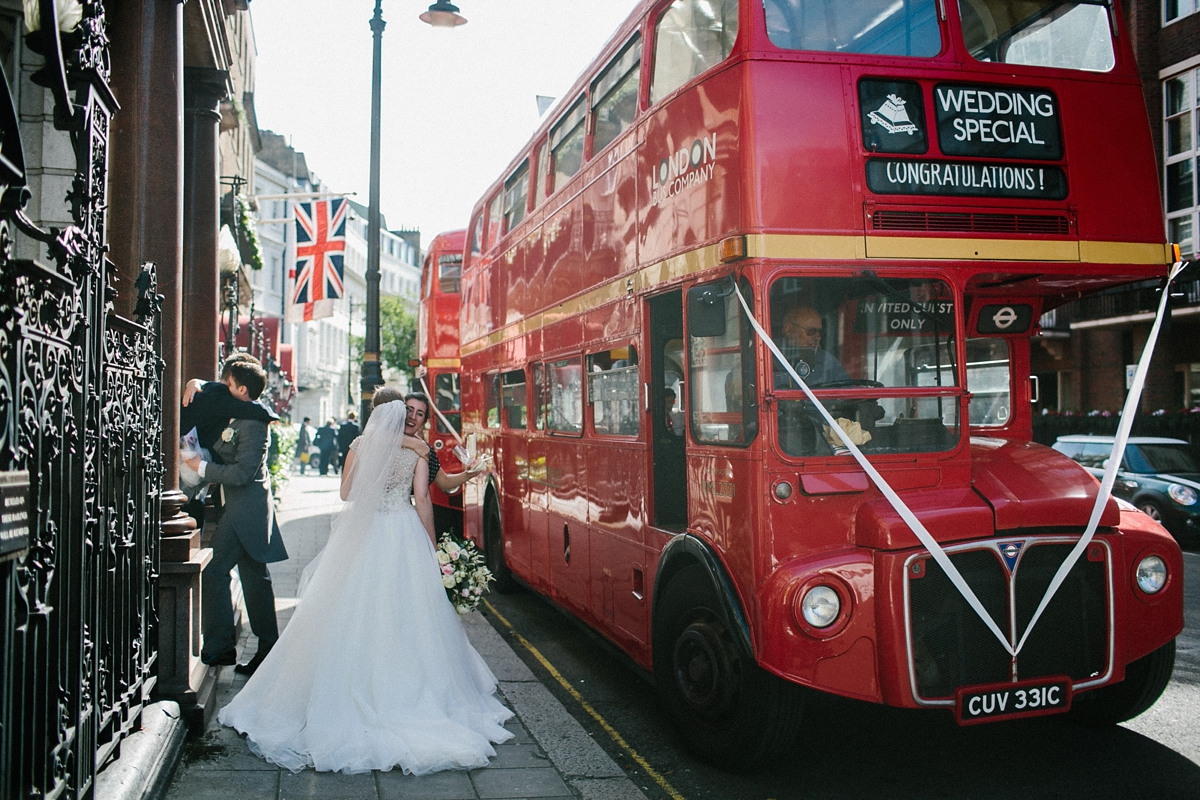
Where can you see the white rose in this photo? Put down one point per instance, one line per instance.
(448, 581)
(227, 435)
(442, 557)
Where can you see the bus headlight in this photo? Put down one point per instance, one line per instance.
(1184, 495)
(820, 606)
(1152, 574)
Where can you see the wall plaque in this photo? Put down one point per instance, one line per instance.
(16, 516)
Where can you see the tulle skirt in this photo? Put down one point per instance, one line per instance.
(374, 670)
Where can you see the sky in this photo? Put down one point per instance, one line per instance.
(457, 105)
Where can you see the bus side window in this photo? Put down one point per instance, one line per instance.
(516, 197)
(543, 167)
(566, 144)
(427, 277)
(449, 401)
(615, 95)
(691, 37)
(721, 361)
(477, 234)
(449, 273)
(493, 221)
(541, 397)
(491, 400)
(613, 391)
(565, 392)
(988, 375)
(513, 398)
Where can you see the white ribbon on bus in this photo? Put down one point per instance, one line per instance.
(935, 550)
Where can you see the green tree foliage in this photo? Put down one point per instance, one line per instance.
(397, 334)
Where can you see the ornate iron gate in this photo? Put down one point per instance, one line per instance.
(80, 410)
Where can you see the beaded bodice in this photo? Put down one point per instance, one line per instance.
(398, 489)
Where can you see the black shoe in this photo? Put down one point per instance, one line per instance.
(226, 659)
(250, 666)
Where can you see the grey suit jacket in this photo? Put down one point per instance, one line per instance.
(248, 508)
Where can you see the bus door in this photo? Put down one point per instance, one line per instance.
(668, 399)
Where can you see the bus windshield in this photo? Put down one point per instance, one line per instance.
(1039, 33)
(842, 336)
(876, 27)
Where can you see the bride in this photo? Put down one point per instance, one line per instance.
(374, 670)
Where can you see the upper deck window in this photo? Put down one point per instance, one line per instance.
(1039, 33)
(477, 234)
(516, 197)
(876, 27)
(566, 144)
(881, 355)
(615, 93)
(691, 37)
(449, 273)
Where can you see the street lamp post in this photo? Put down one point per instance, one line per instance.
(444, 15)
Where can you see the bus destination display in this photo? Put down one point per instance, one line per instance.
(997, 122)
(965, 178)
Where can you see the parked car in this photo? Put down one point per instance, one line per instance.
(1159, 476)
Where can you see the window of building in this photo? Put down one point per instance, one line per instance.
(691, 37)
(1174, 9)
(491, 400)
(613, 391)
(1040, 33)
(878, 27)
(1179, 152)
(615, 95)
(516, 197)
(721, 381)
(512, 398)
(449, 273)
(566, 144)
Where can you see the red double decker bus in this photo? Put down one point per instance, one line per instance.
(438, 360)
(897, 192)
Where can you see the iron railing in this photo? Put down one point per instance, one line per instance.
(80, 410)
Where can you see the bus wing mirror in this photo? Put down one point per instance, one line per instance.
(706, 311)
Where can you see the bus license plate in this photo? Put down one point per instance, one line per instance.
(1011, 700)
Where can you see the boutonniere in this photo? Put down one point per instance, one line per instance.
(228, 434)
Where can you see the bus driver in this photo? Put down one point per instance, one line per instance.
(801, 345)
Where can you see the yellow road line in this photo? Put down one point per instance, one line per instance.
(609, 729)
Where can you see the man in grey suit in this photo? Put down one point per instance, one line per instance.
(247, 534)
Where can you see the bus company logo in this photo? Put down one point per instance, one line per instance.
(892, 116)
(689, 166)
(1009, 551)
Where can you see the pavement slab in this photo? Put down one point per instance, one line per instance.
(550, 755)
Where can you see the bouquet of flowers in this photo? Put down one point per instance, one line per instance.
(463, 572)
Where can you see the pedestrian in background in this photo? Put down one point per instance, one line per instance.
(326, 444)
(304, 444)
(347, 432)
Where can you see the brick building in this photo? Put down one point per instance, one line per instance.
(1081, 357)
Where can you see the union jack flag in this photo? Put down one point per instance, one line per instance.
(320, 259)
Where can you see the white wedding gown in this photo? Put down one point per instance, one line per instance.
(374, 669)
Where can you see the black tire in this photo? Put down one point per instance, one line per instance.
(493, 553)
(1145, 680)
(727, 710)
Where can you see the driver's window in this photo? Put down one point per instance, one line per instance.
(880, 353)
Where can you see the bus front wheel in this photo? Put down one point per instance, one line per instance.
(727, 710)
(1145, 681)
(493, 554)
